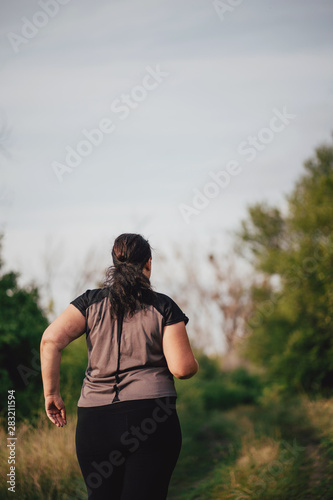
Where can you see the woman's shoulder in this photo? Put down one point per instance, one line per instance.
(161, 299)
(89, 297)
(169, 309)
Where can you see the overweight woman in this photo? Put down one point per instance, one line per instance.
(128, 436)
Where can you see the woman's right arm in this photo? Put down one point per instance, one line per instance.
(70, 325)
(177, 351)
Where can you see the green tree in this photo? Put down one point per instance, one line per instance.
(292, 324)
(22, 323)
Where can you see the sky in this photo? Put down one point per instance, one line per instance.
(168, 118)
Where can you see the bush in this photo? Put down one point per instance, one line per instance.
(22, 323)
(213, 389)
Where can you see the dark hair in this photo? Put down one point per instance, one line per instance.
(129, 288)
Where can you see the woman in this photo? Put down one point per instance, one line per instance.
(128, 436)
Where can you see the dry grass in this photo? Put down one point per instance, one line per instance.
(321, 415)
(268, 467)
(320, 453)
(262, 463)
(45, 460)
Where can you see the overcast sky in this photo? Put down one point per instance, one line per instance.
(183, 90)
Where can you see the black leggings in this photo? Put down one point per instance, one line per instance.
(128, 450)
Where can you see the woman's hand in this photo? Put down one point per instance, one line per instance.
(55, 410)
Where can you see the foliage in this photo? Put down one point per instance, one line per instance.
(291, 328)
(22, 323)
(74, 361)
(214, 389)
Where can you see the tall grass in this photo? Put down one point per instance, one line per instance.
(46, 465)
(256, 465)
(278, 450)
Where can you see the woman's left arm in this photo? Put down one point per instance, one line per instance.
(70, 325)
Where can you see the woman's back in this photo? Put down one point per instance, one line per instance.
(135, 356)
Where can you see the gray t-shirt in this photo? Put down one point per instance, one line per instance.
(142, 371)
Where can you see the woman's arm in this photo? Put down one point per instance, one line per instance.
(70, 325)
(177, 351)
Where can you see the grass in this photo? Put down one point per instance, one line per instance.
(46, 466)
(277, 449)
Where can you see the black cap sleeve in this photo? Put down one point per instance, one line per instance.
(81, 302)
(88, 298)
(171, 311)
